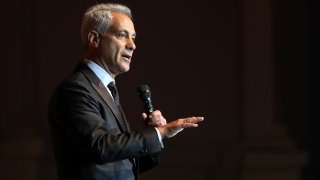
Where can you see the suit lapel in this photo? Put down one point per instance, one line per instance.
(105, 95)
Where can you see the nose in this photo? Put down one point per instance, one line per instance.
(130, 44)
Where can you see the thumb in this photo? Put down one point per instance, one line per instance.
(144, 116)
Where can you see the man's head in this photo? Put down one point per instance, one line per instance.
(108, 34)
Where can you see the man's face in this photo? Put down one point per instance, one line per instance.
(116, 46)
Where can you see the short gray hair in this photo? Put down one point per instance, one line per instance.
(99, 18)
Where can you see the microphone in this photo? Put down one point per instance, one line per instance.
(145, 96)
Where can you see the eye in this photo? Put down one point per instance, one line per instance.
(122, 35)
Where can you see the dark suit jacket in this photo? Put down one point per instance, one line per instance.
(91, 137)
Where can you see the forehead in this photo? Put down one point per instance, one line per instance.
(122, 22)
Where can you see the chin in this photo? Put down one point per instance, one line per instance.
(123, 70)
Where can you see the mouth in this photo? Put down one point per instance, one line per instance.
(127, 58)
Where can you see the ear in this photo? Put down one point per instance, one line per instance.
(93, 38)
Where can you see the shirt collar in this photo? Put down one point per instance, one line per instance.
(102, 74)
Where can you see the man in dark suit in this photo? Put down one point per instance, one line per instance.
(91, 137)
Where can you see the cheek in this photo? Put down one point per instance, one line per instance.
(116, 50)
(118, 53)
(109, 49)
(113, 50)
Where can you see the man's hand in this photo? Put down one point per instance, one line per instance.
(155, 119)
(168, 130)
(173, 128)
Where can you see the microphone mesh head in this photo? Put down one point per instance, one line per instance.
(144, 92)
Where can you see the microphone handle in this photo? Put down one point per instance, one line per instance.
(148, 107)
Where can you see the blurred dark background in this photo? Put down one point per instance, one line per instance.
(248, 66)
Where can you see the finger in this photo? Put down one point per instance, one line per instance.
(157, 123)
(189, 125)
(155, 115)
(144, 116)
(193, 119)
(191, 122)
(154, 124)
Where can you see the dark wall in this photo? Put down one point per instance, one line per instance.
(193, 55)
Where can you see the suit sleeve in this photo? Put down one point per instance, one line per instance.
(78, 127)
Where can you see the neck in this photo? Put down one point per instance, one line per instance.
(99, 62)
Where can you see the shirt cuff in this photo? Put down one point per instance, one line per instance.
(160, 139)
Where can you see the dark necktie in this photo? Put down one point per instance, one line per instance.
(112, 87)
